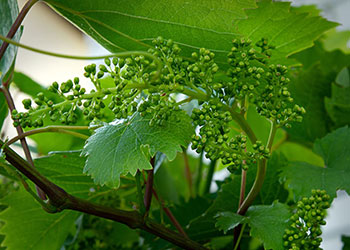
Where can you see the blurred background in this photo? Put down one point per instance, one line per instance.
(44, 29)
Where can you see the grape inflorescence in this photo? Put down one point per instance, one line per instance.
(140, 86)
(304, 231)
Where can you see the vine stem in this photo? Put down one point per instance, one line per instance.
(29, 4)
(209, 177)
(188, 172)
(170, 215)
(149, 187)
(239, 238)
(260, 176)
(139, 193)
(199, 173)
(167, 211)
(57, 129)
(24, 11)
(239, 118)
(61, 200)
(243, 184)
(11, 106)
(119, 54)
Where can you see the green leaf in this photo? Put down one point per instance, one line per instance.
(289, 31)
(9, 10)
(131, 25)
(335, 39)
(330, 62)
(268, 223)
(343, 78)
(25, 217)
(66, 170)
(119, 149)
(335, 150)
(227, 198)
(203, 227)
(228, 220)
(185, 211)
(28, 226)
(298, 152)
(176, 168)
(309, 90)
(311, 9)
(310, 87)
(346, 242)
(3, 110)
(166, 186)
(338, 105)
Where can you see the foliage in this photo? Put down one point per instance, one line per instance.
(250, 88)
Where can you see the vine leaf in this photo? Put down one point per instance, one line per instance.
(268, 223)
(289, 31)
(129, 25)
(346, 242)
(338, 106)
(228, 220)
(25, 217)
(320, 70)
(118, 149)
(9, 12)
(335, 150)
(37, 229)
(227, 198)
(3, 110)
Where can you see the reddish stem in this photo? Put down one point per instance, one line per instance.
(11, 106)
(16, 25)
(188, 172)
(243, 184)
(170, 215)
(149, 187)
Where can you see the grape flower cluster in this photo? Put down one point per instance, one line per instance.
(304, 230)
(149, 84)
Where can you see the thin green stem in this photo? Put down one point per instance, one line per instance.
(239, 118)
(260, 176)
(188, 172)
(186, 100)
(239, 237)
(24, 11)
(199, 173)
(209, 177)
(279, 143)
(119, 54)
(56, 129)
(243, 185)
(139, 193)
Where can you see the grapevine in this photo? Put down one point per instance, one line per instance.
(192, 92)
